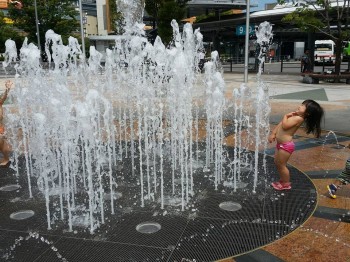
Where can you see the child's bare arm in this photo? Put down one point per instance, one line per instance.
(272, 136)
(8, 85)
(291, 120)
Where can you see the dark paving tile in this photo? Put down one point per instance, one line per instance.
(258, 256)
(317, 94)
(326, 174)
(335, 214)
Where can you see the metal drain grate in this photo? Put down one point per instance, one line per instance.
(22, 215)
(204, 232)
(148, 227)
(8, 188)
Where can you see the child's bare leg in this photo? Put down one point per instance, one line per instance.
(5, 150)
(281, 159)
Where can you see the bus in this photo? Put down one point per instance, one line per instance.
(324, 51)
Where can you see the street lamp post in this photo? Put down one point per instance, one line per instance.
(82, 28)
(85, 23)
(37, 25)
(247, 32)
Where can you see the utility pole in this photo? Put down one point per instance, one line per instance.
(247, 32)
(82, 28)
(37, 25)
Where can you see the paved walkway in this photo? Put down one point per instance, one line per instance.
(325, 236)
(288, 91)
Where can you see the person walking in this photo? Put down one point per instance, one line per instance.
(306, 62)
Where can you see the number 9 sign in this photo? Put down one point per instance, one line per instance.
(240, 29)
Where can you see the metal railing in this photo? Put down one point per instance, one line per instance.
(236, 64)
(285, 64)
(282, 64)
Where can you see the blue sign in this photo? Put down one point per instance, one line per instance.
(240, 29)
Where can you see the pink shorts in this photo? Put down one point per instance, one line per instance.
(287, 146)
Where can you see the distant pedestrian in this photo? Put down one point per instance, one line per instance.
(4, 146)
(310, 113)
(306, 62)
(342, 179)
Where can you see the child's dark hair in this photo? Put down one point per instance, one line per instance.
(313, 115)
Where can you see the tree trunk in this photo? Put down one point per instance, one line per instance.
(338, 52)
(311, 47)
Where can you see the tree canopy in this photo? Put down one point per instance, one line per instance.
(164, 11)
(331, 18)
(58, 15)
(116, 18)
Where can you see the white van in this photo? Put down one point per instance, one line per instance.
(324, 50)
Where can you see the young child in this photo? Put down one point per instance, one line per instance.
(343, 179)
(310, 113)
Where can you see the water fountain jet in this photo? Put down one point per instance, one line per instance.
(118, 142)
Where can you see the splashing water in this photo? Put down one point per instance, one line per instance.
(132, 11)
(32, 236)
(10, 53)
(330, 139)
(247, 102)
(75, 125)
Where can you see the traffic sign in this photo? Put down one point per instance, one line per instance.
(240, 29)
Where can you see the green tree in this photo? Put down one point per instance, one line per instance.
(116, 18)
(164, 11)
(152, 7)
(58, 15)
(7, 32)
(328, 17)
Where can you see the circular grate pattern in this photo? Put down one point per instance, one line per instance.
(9, 188)
(21, 215)
(148, 227)
(230, 206)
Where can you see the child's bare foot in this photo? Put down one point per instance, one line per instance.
(281, 186)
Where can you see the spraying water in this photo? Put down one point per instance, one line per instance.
(132, 11)
(32, 236)
(76, 123)
(251, 116)
(77, 127)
